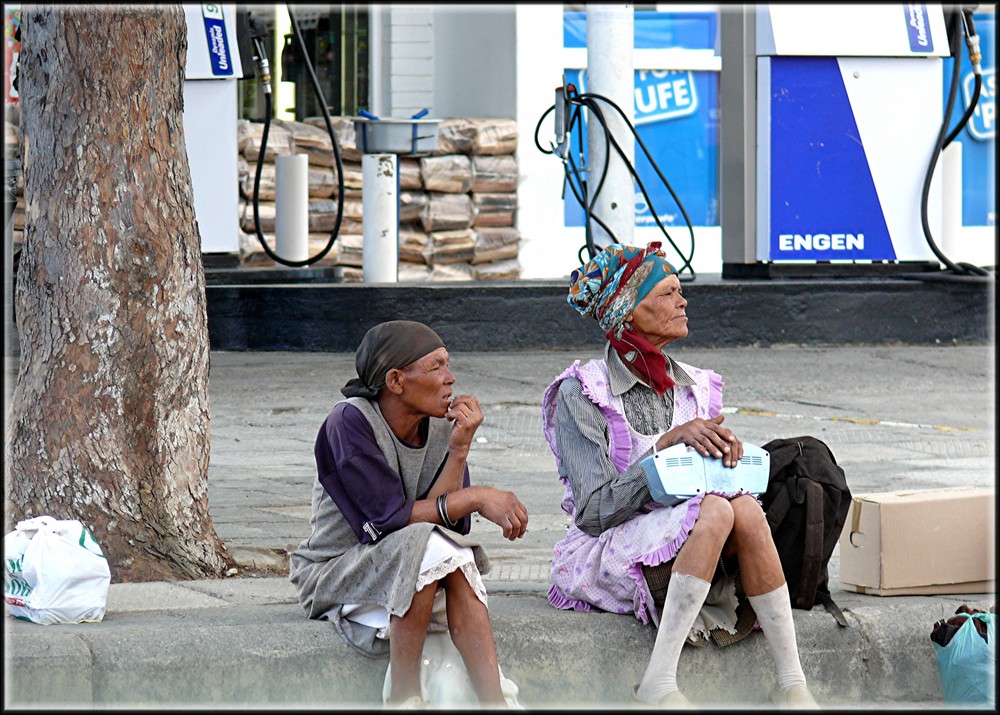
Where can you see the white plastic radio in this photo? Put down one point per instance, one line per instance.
(678, 473)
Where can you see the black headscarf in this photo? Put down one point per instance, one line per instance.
(394, 344)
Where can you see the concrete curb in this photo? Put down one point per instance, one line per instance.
(253, 646)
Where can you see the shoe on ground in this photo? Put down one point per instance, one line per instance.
(796, 697)
(671, 701)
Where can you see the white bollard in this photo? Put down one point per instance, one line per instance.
(950, 171)
(291, 206)
(610, 73)
(380, 207)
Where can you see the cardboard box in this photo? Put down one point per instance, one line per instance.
(920, 542)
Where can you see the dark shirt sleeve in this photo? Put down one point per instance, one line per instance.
(604, 498)
(356, 475)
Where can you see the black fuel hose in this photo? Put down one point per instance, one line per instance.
(977, 90)
(336, 153)
(579, 188)
(972, 43)
(963, 272)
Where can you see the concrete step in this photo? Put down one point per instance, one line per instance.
(246, 643)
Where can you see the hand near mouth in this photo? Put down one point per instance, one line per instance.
(467, 416)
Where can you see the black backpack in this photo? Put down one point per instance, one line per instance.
(806, 503)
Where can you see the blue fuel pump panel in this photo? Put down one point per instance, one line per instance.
(978, 139)
(848, 112)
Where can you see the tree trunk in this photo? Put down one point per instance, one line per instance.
(109, 420)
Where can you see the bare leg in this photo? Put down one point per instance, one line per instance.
(472, 633)
(764, 583)
(760, 567)
(690, 581)
(700, 553)
(406, 644)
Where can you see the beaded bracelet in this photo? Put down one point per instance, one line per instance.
(443, 512)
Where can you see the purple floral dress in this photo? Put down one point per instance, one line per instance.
(605, 572)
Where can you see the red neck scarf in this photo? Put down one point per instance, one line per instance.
(646, 359)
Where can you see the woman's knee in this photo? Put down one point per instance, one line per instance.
(457, 587)
(716, 514)
(748, 517)
(423, 600)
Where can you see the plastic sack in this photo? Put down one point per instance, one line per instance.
(967, 664)
(444, 680)
(54, 572)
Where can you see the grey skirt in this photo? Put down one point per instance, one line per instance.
(384, 574)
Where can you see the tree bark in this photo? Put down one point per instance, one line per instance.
(109, 420)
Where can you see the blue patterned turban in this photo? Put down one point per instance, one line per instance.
(611, 284)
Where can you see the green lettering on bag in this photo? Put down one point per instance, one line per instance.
(14, 565)
(16, 587)
(84, 536)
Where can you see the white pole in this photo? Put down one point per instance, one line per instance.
(380, 206)
(610, 39)
(951, 202)
(291, 207)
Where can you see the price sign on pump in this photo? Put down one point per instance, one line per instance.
(218, 43)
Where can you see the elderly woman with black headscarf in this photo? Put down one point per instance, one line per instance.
(389, 556)
(704, 569)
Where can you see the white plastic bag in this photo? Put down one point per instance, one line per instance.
(54, 572)
(444, 680)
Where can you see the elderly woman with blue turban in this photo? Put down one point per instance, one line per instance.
(704, 569)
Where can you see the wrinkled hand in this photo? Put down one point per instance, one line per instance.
(707, 438)
(506, 511)
(467, 416)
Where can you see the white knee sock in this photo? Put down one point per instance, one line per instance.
(685, 596)
(774, 611)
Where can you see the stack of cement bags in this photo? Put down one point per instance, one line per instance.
(285, 138)
(11, 152)
(457, 207)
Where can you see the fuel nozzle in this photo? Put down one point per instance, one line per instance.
(258, 33)
(972, 40)
(562, 118)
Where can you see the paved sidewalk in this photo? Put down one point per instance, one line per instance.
(895, 417)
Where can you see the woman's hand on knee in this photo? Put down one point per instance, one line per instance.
(505, 510)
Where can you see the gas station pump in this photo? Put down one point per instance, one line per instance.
(832, 116)
(210, 111)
